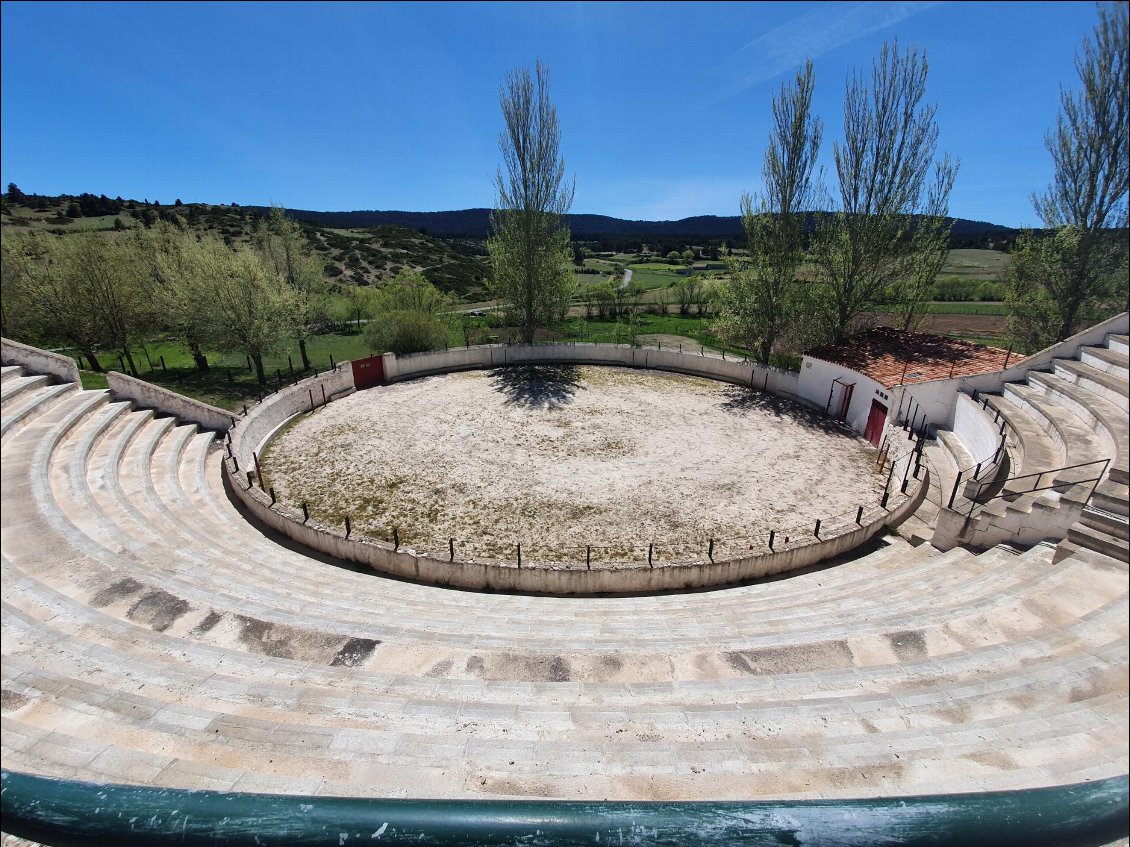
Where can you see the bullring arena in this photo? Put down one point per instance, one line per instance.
(573, 461)
(174, 624)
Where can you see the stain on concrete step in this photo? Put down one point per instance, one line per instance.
(116, 591)
(12, 700)
(158, 610)
(354, 652)
(207, 624)
(909, 645)
(793, 658)
(520, 668)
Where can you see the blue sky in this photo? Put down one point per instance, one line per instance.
(664, 107)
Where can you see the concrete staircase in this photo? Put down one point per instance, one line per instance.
(152, 635)
(1073, 415)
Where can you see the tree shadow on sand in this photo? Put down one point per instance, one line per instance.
(537, 386)
(740, 400)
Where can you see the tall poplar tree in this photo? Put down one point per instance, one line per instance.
(873, 242)
(761, 301)
(529, 245)
(1076, 274)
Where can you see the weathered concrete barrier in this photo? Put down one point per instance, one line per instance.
(150, 396)
(251, 434)
(38, 361)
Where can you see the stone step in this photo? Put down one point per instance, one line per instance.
(1037, 451)
(1107, 386)
(8, 372)
(1095, 539)
(1111, 523)
(13, 388)
(16, 413)
(1106, 359)
(1075, 438)
(1114, 497)
(1118, 343)
(1108, 420)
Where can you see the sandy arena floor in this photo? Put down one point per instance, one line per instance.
(562, 457)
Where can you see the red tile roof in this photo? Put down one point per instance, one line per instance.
(892, 357)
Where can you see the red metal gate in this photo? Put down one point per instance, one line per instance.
(875, 421)
(368, 372)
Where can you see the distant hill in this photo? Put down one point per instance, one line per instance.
(475, 224)
(361, 255)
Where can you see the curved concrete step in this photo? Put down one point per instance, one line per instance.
(1112, 361)
(1106, 385)
(17, 412)
(1104, 416)
(152, 635)
(13, 388)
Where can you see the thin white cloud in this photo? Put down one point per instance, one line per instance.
(807, 37)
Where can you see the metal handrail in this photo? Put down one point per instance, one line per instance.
(65, 812)
(1039, 475)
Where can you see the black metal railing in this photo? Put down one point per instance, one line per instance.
(1038, 477)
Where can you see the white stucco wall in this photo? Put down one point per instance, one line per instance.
(816, 378)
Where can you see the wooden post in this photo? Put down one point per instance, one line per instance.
(649, 547)
(859, 516)
(588, 557)
(348, 528)
(519, 555)
(816, 531)
(772, 537)
(273, 498)
(258, 470)
(451, 549)
(323, 394)
(310, 391)
(305, 512)
(395, 539)
(710, 550)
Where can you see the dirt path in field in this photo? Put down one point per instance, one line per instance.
(562, 457)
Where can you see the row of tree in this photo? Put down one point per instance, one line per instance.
(96, 292)
(887, 236)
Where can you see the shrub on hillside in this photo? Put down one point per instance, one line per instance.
(405, 331)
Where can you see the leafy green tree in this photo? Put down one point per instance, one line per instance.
(288, 252)
(687, 256)
(409, 315)
(883, 168)
(251, 306)
(104, 269)
(15, 196)
(688, 292)
(762, 300)
(1077, 275)
(29, 273)
(529, 243)
(177, 264)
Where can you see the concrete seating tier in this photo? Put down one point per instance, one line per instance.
(1073, 414)
(152, 635)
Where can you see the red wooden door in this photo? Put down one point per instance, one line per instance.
(368, 372)
(875, 420)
